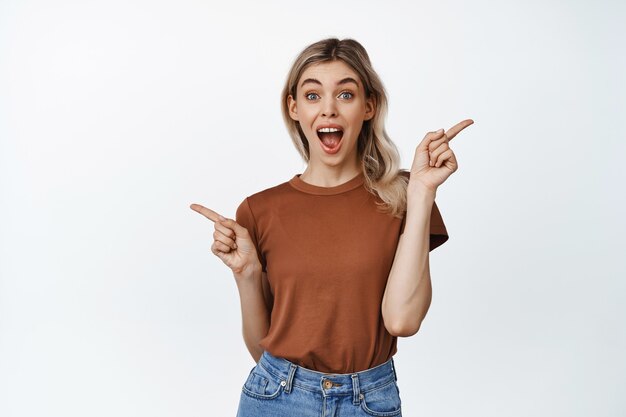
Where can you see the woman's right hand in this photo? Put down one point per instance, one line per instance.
(232, 242)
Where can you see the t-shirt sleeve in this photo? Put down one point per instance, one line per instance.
(245, 218)
(438, 232)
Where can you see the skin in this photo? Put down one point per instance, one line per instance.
(408, 291)
(331, 102)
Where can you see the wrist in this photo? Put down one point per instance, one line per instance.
(417, 192)
(248, 273)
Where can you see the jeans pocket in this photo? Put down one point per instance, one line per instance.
(262, 384)
(382, 401)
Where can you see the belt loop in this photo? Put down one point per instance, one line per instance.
(292, 371)
(393, 368)
(356, 390)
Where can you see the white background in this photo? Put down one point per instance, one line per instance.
(116, 115)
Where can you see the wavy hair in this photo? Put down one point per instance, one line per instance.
(379, 156)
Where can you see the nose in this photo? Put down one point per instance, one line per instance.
(329, 108)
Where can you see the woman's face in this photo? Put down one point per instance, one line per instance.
(331, 95)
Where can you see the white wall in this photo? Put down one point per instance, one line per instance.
(116, 115)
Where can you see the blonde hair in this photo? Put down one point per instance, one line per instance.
(379, 156)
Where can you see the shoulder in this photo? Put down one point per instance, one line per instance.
(255, 209)
(265, 197)
(270, 193)
(255, 204)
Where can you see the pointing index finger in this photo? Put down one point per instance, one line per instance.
(454, 130)
(206, 212)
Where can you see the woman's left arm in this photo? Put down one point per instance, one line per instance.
(408, 292)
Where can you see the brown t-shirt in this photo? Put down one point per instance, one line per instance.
(327, 252)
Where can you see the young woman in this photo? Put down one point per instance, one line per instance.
(332, 265)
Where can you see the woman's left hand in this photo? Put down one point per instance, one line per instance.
(434, 149)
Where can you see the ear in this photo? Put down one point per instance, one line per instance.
(370, 107)
(293, 107)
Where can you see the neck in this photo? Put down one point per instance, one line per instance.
(327, 176)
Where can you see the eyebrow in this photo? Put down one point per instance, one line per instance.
(343, 81)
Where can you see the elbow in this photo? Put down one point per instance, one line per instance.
(256, 353)
(399, 329)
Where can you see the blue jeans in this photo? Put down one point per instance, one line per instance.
(279, 388)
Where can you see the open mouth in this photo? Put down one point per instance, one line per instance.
(330, 136)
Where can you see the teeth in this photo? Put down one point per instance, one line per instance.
(328, 129)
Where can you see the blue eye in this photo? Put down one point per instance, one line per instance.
(346, 95)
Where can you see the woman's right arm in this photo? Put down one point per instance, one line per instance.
(233, 245)
(255, 309)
